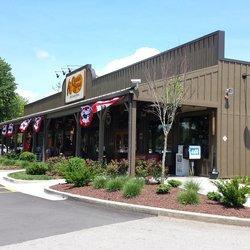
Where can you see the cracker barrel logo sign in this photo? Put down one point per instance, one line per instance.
(75, 86)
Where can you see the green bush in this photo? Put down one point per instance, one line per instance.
(115, 184)
(214, 196)
(8, 162)
(189, 196)
(233, 195)
(24, 164)
(163, 189)
(36, 168)
(192, 185)
(12, 156)
(115, 167)
(132, 188)
(77, 172)
(244, 180)
(56, 165)
(100, 182)
(174, 183)
(27, 156)
(96, 168)
(154, 168)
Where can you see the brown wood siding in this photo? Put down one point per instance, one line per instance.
(201, 53)
(233, 155)
(202, 88)
(49, 102)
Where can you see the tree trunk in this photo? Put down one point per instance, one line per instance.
(164, 158)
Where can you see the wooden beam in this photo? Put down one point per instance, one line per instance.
(46, 123)
(78, 135)
(132, 136)
(102, 117)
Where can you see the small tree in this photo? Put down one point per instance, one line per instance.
(168, 94)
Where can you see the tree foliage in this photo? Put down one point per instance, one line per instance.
(11, 104)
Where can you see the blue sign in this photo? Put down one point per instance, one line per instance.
(194, 152)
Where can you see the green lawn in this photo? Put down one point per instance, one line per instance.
(23, 176)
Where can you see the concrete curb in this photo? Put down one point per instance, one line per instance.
(156, 211)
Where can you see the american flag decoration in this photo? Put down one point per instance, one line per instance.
(37, 124)
(4, 130)
(10, 129)
(100, 105)
(24, 125)
(86, 116)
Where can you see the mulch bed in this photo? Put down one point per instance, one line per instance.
(149, 197)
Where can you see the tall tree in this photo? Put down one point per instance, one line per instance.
(11, 104)
(168, 94)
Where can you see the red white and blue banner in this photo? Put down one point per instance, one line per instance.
(37, 123)
(87, 112)
(100, 105)
(10, 130)
(24, 125)
(86, 116)
(4, 130)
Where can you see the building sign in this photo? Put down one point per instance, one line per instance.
(194, 152)
(75, 86)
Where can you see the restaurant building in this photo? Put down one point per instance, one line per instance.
(108, 117)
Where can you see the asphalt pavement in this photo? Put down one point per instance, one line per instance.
(24, 217)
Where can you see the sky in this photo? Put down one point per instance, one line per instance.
(39, 37)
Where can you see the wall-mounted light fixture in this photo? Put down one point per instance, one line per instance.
(245, 75)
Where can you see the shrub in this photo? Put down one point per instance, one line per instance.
(27, 156)
(174, 183)
(100, 182)
(154, 168)
(115, 167)
(214, 196)
(189, 196)
(77, 172)
(163, 189)
(12, 156)
(244, 180)
(8, 162)
(96, 168)
(24, 164)
(36, 168)
(116, 183)
(192, 185)
(233, 195)
(132, 188)
(141, 168)
(54, 165)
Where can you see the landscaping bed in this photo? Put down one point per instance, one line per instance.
(148, 197)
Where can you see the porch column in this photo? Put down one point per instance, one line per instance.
(78, 135)
(102, 117)
(1, 144)
(15, 138)
(33, 142)
(132, 135)
(46, 123)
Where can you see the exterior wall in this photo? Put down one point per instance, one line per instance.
(200, 53)
(49, 102)
(202, 88)
(233, 155)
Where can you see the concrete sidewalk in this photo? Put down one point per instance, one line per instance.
(205, 183)
(32, 188)
(149, 233)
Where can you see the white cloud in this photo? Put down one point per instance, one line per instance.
(140, 54)
(32, 96)
(42, 54)
(28, 94)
